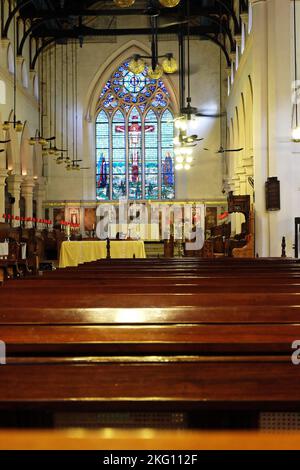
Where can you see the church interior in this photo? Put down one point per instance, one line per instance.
(149, 224)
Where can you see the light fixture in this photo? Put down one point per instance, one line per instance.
(136, 65)
(179, 166)
(156, 73)
(169, 3)
(18, 125)
(42, 141)
(59, 161)
(124, 3)
(169, 64)
(187, 166)
(181, 124)
(296, 134)
(193, 122)
(39, 140)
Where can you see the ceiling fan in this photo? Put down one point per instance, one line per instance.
(222, 150)
(187, 140)
(74, 165)
(188, 111)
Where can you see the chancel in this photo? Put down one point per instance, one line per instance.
(149, 232)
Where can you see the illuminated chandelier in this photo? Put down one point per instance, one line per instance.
(124, 3)
(129, 3)
(169, 3)
(183, 149)
(155, 71)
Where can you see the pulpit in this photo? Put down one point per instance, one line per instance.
(242, 245)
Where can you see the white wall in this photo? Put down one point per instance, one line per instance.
(264, 130)
(96, 62)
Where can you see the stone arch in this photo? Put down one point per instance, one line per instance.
(86, 129)
(108, 67)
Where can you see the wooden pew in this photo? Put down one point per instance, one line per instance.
(144, 439)
(215, 343)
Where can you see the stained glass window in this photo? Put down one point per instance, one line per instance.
(167, 156)
(119, 155)
(134, 138)
(102, 157)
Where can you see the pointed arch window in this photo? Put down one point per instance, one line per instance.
(134, 139)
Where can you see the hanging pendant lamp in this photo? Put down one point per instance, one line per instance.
(169, 3)
(124, 3)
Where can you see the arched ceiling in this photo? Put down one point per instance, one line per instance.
(49, 21)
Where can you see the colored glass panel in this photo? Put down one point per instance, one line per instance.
(134, 138)
(135, 155)
(167, 157)
(102, 157)
(118, 156)
(151, 156)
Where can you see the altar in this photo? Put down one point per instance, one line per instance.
(73, 253)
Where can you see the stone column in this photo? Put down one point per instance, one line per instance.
(260, 122)
(282, 163)
(14, 188)
(3, 176)
(27, 192)
(272, 112)
(40, 194)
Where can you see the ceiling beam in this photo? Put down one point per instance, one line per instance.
(64, 13)
(78, 32)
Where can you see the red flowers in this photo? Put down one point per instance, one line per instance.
(37, 221)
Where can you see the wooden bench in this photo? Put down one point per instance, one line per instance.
(183, 336)
(145, 440)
